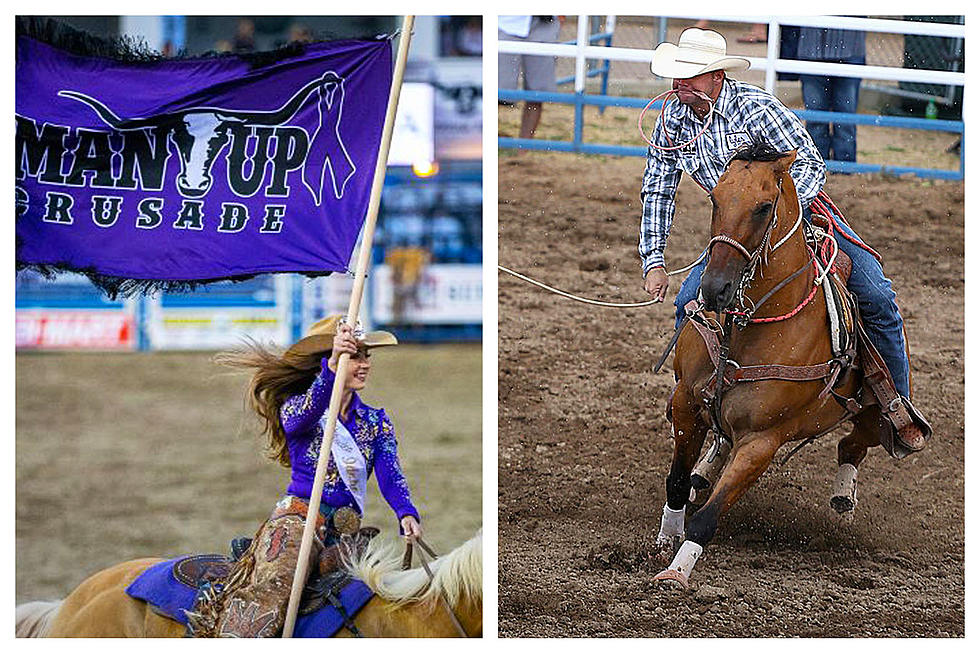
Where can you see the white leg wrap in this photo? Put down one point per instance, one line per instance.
(846, 481)
(686, 556)
(845, 484)
(844, 495)
(671, 524)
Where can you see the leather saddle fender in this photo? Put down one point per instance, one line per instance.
(909, 430)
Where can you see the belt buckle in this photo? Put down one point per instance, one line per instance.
(346, 521)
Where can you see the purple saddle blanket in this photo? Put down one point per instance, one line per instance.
(158, 587)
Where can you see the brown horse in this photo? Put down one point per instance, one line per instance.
(760, 262)
(406, 603)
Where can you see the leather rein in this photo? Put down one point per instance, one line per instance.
(407, 564)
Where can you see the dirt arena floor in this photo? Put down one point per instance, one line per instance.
(121, 456)
(584, 447)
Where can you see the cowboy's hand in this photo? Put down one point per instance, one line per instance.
(656, 284)
(343, 343)
(411, 528)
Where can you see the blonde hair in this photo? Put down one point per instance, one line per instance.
(277, 376)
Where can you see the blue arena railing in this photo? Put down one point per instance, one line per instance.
(601, 70)
(581, 100)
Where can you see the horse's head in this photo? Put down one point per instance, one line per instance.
(743, 217)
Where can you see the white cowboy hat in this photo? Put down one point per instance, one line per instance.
(698, 51)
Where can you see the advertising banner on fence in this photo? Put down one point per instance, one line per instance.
(68, 313)
(196, 169)
(223, 316)
(75, 329)
(442, 294)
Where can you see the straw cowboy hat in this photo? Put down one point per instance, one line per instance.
(698, 51)
(320, 338)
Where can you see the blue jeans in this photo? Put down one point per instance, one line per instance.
(823, 93)
(875, 297)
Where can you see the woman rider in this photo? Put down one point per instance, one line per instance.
(291, 394)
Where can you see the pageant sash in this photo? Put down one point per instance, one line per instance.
(350, 462)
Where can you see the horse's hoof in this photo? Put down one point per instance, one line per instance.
(843, 504)
(673, 578)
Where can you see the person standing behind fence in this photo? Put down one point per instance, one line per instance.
(832, 93)
(539, 71)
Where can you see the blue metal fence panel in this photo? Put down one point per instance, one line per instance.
(580, 100)
(67, 292)
(257, 292)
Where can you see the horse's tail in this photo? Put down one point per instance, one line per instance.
(34, 618)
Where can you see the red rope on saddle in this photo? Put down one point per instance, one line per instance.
(823, 206)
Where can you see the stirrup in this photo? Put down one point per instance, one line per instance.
(919, 432)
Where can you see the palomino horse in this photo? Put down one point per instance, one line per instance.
(760, 260)
(406, 603)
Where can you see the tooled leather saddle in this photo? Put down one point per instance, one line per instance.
(325, 579)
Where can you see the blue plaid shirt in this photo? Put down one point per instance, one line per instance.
(743, 114)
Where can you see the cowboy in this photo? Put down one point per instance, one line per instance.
(739, 114)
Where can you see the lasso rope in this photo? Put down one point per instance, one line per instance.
(584, 300)
(663, 108)
(597, 302)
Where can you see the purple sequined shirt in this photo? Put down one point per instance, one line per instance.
(372, 431)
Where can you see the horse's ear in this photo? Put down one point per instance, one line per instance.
(783, 163)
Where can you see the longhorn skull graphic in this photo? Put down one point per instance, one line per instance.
(200, 133)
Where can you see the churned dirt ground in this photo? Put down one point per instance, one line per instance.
(584, 446)
(121, 456)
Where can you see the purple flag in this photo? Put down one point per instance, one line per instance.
(192, 170)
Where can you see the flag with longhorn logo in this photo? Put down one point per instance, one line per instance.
(167, 173)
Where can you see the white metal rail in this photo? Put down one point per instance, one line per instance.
(771, 63)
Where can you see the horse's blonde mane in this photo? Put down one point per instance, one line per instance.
(457, 574)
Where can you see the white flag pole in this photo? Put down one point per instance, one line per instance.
(360, 273)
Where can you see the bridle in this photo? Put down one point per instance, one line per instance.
(753, 258)
(744, 315)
